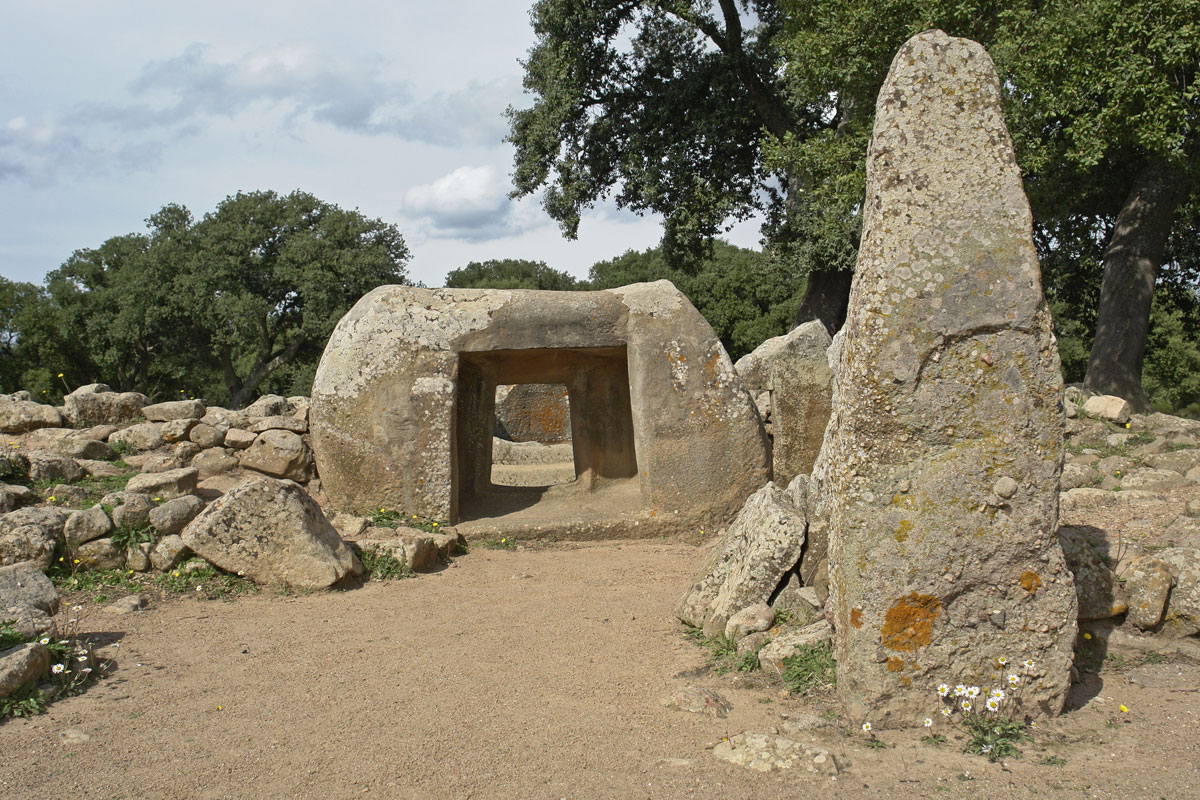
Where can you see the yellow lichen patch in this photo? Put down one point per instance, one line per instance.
(856, 617)
(895, 664)
(1030, 581)
(908, 625)
(902, 530)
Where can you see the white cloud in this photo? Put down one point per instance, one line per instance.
(471, 203)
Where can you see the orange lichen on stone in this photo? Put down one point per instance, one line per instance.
(908, 625)
(895, 664)
(856, 617)
(1030, 581)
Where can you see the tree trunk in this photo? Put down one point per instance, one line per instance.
(1131, 263)
(825, 298)
(264, 365)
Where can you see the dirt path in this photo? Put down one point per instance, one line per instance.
(528, 674)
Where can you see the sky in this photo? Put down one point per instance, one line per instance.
(111, 110)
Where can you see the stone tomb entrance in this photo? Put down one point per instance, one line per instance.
(664, 436)
(531, 442)
(601, 430)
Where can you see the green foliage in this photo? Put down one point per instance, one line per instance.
(723, 652)
(510, 273)
(995, 737)
(392, 518)
(238, 303)
(14, 467)
(202, 580)
(382, 565)
(72, 667)
(26, 701)
(91, 581)
(1053, 761)
(125, 537)
(810, 667)
(746, 296)
(492, 543)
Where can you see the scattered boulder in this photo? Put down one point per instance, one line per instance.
(1108, 407)
(170, 552)
(794, 369)
(173, 515)
(21, 416)
(269, 405)
(1076, 475)
(698, 700)
(752, 619)
(31, 534)
(96, 404)
(1154, 480)
(1148, 583)
(22, 664)
(84, 526)
(764, 752)
(280, 423)
(174, 410)
(172, 483)
(947, 378)
(100, 554)
(281, 454)
(1183, 607)
(143, 436)
(274, 533)
(28, 598)
(177, 430)
(239, 439)
(127, 605)
(206, 436)
(749, 561)
(133, 511)
(45, 465)
(222, 418)
(215, 461)
(13, 497)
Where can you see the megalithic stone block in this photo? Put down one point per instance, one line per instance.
(938, 475)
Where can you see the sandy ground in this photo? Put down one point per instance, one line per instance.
(529, 674)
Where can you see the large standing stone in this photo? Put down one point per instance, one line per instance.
(273, 532)
(747, 563)
(939, 470)
(795, 370)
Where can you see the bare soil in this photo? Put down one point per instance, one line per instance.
(535, 673)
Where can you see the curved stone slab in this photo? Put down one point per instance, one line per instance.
(665, 434)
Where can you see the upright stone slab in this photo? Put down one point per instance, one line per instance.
(939, 471)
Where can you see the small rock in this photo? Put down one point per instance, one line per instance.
(74, 736)
(420, 549)
(283, 423)
(281, 454)
(205, 436)
(239, 439)
(1156, 480)
(171, 483)
(137, 558)
(1108, 407)
(752, 619)
(177, 430)
(133, 511)
(753, 642)
(127, 604)
(28, 598)
(770, 658)
(172, 516)
(269, 405)
(22, 664)
(1005, 487)
(698, 700)
(215, 461)
(31, 534)
(1148, 582)
(143, 436)
(763, 752)
(174, 410)
(169, 553)
(47, 466)
(99, 554)
(84, 526)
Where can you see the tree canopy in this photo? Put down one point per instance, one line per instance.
(225, 307)
(708, 112)
(510, 273)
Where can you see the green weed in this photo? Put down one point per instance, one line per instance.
(205, 582)
(503, 543)
(809, 667)
(125, 537)
(1053, 761)
(381, 564)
